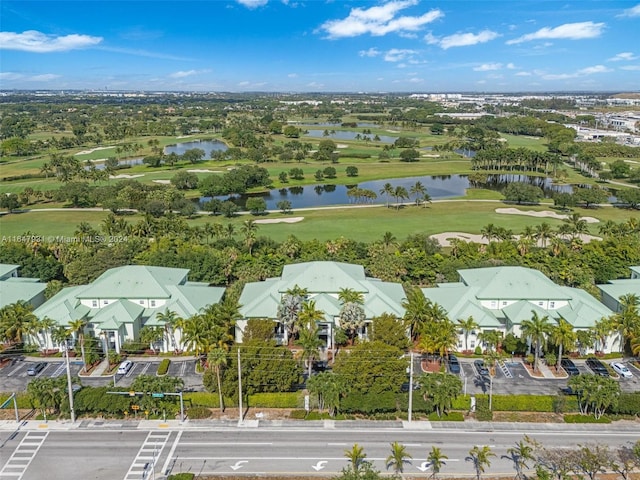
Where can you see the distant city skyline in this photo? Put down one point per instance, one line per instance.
(321, 46)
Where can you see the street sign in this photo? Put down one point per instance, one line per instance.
(135, 407)
(157, 395)
(132, 393)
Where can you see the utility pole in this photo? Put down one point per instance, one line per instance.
(69, 386)
(239, 388)
(410, 385)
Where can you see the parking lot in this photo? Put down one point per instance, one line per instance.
(14, 376)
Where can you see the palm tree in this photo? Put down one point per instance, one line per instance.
(310, 343)
(249, 228)
(467, 326)
(417, 189)
(601, 330)
(416, 306)
(491, 339)
(627, 321)
(563, 336)
(171, 322)
(356, 457)
(400, 193)
(289, 310)
(388, 239)
(479, 456)
(216, 359)
(490, 232)
(151, 335)
(436, 460)
(77, 328)
(352, 316)
(536, 329)
(398, 458)
(520, 455)
(543, 233)
(387, 189)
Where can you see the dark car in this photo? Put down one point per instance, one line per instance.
(597, 366)
(569, 367)
(568, 391)
(481, 368)
(454, 364)
(36, 369)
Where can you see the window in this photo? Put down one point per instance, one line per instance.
(494, 304)
(153, 303)
(94, 303)
(540, 304)
(552, 304)
(473, 344)
(504, 304)
(141, 302)
(105, 302)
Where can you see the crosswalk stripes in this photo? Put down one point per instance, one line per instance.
(148, 455)
(23, 455)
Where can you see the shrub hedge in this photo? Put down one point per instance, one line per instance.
(163, 368)
(576, 418)
(449, 417)
(528, 403)
(628, 404)
(182, 476)
(358, 403)
(196, 413)
(276, 400)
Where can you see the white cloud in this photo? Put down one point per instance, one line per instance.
(486, 67)
(379, 20)
(372, 52)
(244, 84)
(523, 74)
(568, 31)
(396, 54)
(631, 12)
(624, 56)
(45, 77)
(583, 72)
(416, 80)
(10, 76)
(461, 39)
(633, 68)
(38, 42)
(293, 75)
(253, 3)
(511, 66)
(183, 74)
(315, 85)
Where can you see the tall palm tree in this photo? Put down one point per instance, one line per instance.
(564, 337)
(352, 315)
(249, 229)
(400, 193)
(171, 322)
(467, 326)
(417, 189)
(289, 310)
(436, 461)
(480, 458)
(416, 307)
(490, 232)
(216, 359)
(356, 457)
(627, 321)
(520, 455)
(310, 343)
(398, 458)
(544, 232)
(387, 189)
(536, 329)
(77, 328)
(601, 331)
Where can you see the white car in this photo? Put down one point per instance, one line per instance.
(124, 367)
(621, 370)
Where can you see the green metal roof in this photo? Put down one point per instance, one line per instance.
(116, 314)
(63, 307)
(135, 281)
(325, 277)
(583, 310)
(617, 288)
(12, 292)
(515, 283)
(517, 312)
(6, 269)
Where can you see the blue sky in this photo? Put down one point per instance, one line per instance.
(321, 46)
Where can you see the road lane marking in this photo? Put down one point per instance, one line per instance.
(148, 454)
(226, 443)
(15, 466)
(165, 467)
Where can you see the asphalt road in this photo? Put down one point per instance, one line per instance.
(108, 454)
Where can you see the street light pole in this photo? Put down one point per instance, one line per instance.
(410, 385)
(239, 389)
(69, 386)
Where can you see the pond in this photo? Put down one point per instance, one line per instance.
(207, 145)
(347, 135)
(438, 187)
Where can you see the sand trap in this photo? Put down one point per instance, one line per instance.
(393, 131)
(163, 182)
(444, 239)
(86, 152)
(122, 175)
(203, 170)
(280, 220)
(342, 145)
(544, 213)
(432, 155)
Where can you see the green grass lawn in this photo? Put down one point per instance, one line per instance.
(363, 224)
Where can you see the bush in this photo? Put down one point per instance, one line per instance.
(461, 403)
(195, 413)
(449, 417)
(585, 419)
(298, 414)
(182, 476)
(275, 400)
(359, 403)
(478, 350)
(483, 414)
(131, 347)
(163, 368)
(420, 405)
(628, 404)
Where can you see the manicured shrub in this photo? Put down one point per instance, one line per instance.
(420, 405)
(585, 419)
(358, 403)
(298, 414)
(182, 476)
(461, 403)
(450, 417)
(163, 368)
(628, 404)
(195, 413)
(483, 414)
(201, 399)
(275, 400)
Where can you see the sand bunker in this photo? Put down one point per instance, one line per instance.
(86, 152)
(279, 220)
(122, 175)
(342, 145)
(544, 214)
(163, 182)
(203, 170)
(432, 155)
(444, 239)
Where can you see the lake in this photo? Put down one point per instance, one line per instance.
(347, 135)
(207, 145)
(438, 187)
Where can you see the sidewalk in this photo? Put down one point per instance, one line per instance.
(100, 369)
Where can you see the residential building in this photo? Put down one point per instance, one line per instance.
(615, 289)
(14, 288)
(323, 282)
(501, 298)
(123, 300)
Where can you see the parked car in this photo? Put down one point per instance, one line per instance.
(36, 369)
(569, 367)
(125, 367)
(567, 391)
(597, 367)
(481, 368)
(621, 370)
(454, 364)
